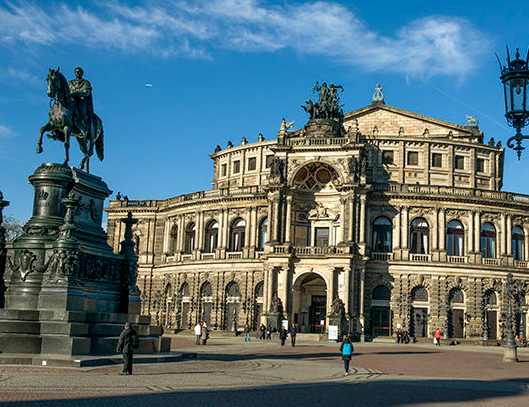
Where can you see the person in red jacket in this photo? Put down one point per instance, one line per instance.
(437, 337)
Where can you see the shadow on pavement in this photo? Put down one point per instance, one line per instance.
(369, 393)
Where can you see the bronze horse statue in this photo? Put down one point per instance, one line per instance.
(61, 124)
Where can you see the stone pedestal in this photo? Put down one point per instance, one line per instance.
(510, 353)
(67, 292)
(273, 319)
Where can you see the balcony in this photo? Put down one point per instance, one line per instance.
(234, 255)
(207, 256)
(492, 262)
(521, 264)
(187, 257)
(381, 256)
(457, 259)
(420, 258)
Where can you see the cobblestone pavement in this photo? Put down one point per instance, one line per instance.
(229, 371)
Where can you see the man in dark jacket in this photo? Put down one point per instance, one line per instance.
(127, 343)
(293, 333)
(283, 335)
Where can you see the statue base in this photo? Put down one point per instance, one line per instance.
(274, 319)
(67, 293)
(341, 323)
(324, 128)
(510, 353)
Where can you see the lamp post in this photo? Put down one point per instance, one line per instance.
(515, 78)
(510, 353)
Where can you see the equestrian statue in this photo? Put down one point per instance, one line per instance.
(72, 114)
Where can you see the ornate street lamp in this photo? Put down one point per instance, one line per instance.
(510, 353)
(515, 78)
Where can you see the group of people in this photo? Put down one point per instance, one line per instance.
(265, 332)
(402, 336)
(201, 333)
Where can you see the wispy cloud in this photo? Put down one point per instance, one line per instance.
(6, 132)
(434, 45)
(19, 74)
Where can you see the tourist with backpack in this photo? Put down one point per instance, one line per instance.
(346, 348)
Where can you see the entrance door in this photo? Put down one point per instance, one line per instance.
(232, 316)
(381, 321)
(317, 314)
(206, 313)
(419, 323)
(492, 321)
(456, 323)
(184, 316)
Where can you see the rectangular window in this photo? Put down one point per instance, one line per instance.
(437, 160)
(321, 237)
(223, 169)
(413, 158)
(268, 161)
(387, 157)
(252, 163)
(236, 167)
(480, 165)
(459, 162)
(301, 236)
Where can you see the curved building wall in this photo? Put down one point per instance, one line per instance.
(400, 217)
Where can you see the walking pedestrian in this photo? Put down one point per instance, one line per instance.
(127, 343)
(283, 335)
(204, 333)
(346, 348)
(198, 332)
(262, 331)
(293, 333)
(247, 333)
(269, 332)
(437, 337)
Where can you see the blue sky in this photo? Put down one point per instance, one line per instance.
(222, 69)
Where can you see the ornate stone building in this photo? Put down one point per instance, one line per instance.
(388, 215)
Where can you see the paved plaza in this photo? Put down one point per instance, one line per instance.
(229, 371)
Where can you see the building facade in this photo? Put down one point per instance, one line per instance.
(381, 215)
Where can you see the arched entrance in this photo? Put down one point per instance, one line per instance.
(310, 303)
(419, 315)
(456, 322)
(233, 299)
(380, 311)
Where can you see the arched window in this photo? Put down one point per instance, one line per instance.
(173, 239)
(212, 232)
(232, 290)
(263, 233)
(419, 294)
(490, 298)
(517, 243)
(237, 235)
(382, 228)
(488, 241)
(206, 290)
(455, 234)
(184, 290)
(259, 290)
(381, 293)
(456, 296)
(190, 238)
(419, 236)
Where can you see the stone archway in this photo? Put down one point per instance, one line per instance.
(310, 302)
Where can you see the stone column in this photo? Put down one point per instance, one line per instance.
(271, 275)
(342, 220)
(331, 289)
(288, 237)
(266, 289)
(270, 221)
(253, 226)
(526, 244)
(503, 236)
(347, 287)
(363, 219)
(166, 236)
(351, 219)
(226, 230)
(276, 219)
(284, 294)
(181, 233)
(470, 232)
(509, 235)
(199, 244)
(442, 229)
(397, 231)
(435, 234)
(477, 230)
(361, 303)
(405, 227)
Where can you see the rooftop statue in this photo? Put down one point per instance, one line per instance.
(72, 113)
(328, 104)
